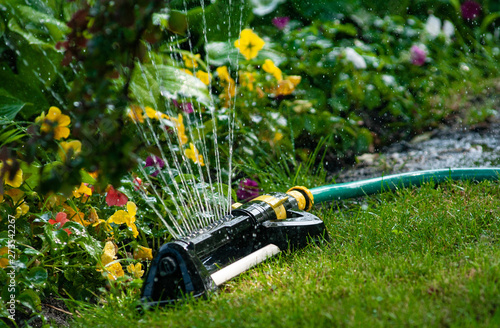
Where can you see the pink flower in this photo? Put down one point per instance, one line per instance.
(247, 189)
(281, 22)
(114, 197)
(418, 56)
(470, 10)
(186, 107)
(61, 218)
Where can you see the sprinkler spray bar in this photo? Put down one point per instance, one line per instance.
(197, 264)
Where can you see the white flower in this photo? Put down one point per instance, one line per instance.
(448, 29)
(356, 59)
(433, 26)
(264, 7)
(388, 79)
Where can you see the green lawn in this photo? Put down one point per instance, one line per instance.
(417, 257)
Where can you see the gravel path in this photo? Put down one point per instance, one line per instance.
(443, 148)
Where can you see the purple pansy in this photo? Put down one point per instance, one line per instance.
(470, 9)
(281, 22)
(247, 189)
(156, 162)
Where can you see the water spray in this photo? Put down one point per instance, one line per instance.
(197, 264)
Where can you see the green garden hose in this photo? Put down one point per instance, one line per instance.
(391, 182)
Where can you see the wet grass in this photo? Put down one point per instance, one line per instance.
(421, 257)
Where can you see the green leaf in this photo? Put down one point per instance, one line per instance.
(11, 135)
(37, 275)
(87, 178)
(30, 299)
(91, 246)
(151, 82)
(220, 21)
(31, 251)
(36, 27)
(488, 20)
(224, 188)
(31, 174)
(185, 177)
(18, 87)
(9, 106)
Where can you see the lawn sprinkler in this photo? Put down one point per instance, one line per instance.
(205, 259)
(197, 264)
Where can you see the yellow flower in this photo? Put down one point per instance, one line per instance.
(21, 210)
(136, 270)
(191, 62)
(127, 217)
(114, 271)
(272, 69)
(180, 128)
(16, 181)
(277, 136)
(204, 77)
(55, 122)
(1, 199)
(187, 71)
(143, 253)
(82, 190)
(193, 154)
(247, 80)
(73, 147)
(4, 261)
(135, 113)
(151, 113)
(286, 87)
(223, 74)
(109, 253)
(249, 44)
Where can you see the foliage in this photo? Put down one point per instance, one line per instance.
(111, 108)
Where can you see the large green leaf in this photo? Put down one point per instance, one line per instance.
(17, 87)
(10, 106)
(220, 21)
(151, 82)
(37, 27)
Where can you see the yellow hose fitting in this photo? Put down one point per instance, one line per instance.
(236, 205)
(304, 197)
(275, 203)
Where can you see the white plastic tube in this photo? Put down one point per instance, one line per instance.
(244, 264)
